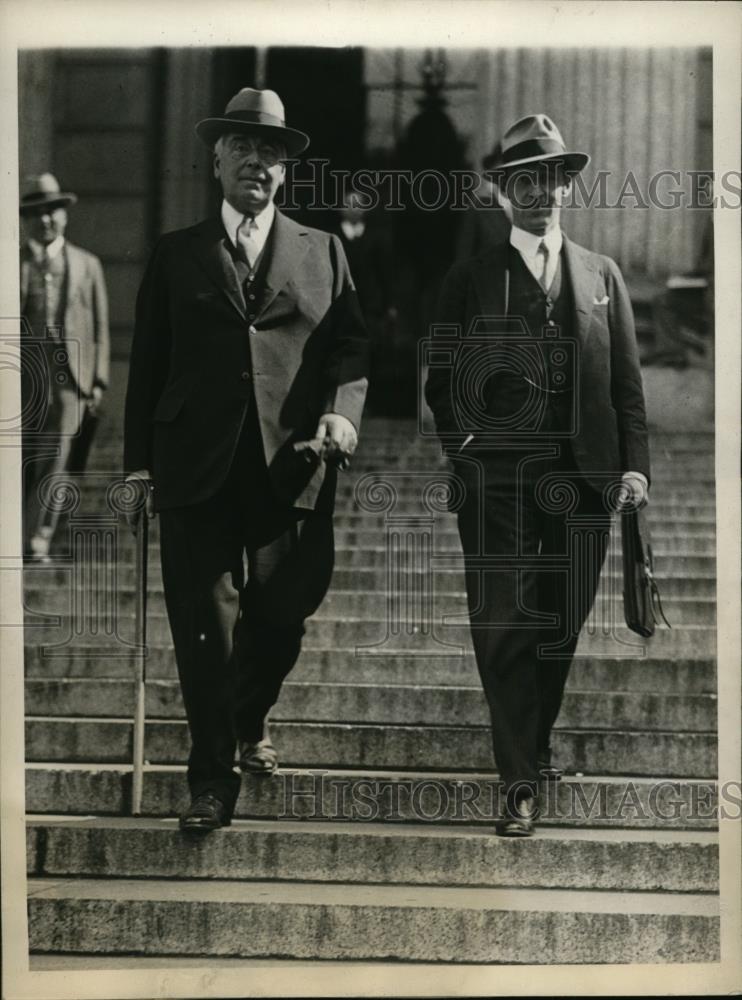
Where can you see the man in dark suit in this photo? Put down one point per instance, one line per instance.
(539, 402)
(249, 343)
(65, 334)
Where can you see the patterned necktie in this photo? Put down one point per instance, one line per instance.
(542, 256)
(246, 241)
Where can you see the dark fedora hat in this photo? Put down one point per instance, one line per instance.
(42, 192)
(253, 110)
(533, 139)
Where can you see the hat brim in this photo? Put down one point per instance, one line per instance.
(209, 129)
(573, 163)
(47, 202)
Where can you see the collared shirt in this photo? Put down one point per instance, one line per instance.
(261, 226)
(52, 249)
(527, 245)
(353, 230)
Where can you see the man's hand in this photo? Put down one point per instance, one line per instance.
(96, 395)
(144, 479)
(337, 433)
(634, 493)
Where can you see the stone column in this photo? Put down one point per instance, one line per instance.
(186, 163)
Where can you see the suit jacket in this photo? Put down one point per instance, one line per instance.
(85, 316)
(611, 431)
(197, 359)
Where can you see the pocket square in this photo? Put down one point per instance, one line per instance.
(602, 302)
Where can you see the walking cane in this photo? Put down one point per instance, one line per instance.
(140, 638)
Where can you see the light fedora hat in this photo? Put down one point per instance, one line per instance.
(253, 110)
(534, 139)
(42, 191)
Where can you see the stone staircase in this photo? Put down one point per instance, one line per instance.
(374, 841)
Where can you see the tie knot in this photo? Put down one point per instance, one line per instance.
(247, 225)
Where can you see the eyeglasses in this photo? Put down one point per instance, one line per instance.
(267, 153)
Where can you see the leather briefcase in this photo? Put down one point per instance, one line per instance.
(641, 596)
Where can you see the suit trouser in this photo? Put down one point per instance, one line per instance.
(548, 530)
(46, 455)
(240, 573)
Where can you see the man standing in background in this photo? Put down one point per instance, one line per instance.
(65, 336)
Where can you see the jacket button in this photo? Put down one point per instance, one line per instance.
(245, 376)
(252, 330)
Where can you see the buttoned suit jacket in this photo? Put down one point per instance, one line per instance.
(198, 359)
(610, 429)
(85, 321)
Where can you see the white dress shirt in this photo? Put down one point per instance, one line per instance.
(261, 225)
(353, 230)
(527, 245)
(52, 249)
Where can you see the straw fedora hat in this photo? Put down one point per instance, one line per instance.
(253, 110)
(42, 191)
(533, 139)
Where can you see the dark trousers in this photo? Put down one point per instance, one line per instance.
(241, 573)
(548, 531)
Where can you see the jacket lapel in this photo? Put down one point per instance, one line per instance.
(289, 248)
(211, 250)
(75, 271)
(583, 273)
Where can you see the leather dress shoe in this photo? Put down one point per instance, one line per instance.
(549, 772)
(258, 758)
(205, 813)
(519, 820)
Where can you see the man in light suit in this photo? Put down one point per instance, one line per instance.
(539, 403)
(249, 345)
(66, 344)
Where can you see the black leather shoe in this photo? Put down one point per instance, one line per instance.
(519, 821)
(550, 772)
(205, 813)
(258, 758)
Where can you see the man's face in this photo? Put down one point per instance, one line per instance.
(250, 170)
(536, 195)
(44, 225)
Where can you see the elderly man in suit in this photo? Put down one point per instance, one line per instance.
(246, 385)
(540, 405)
(66, 362)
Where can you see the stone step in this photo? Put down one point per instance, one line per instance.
(338, 666)
(303, 744)
(669, 560)
(411, 923)
(606, 860)
(362, 583)
(452, 582)
(403, 796)
(445, 541)
(405, 603)
(353, 568)
(369, 703)
(373, 638)
(691, 513)
(670, 521)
